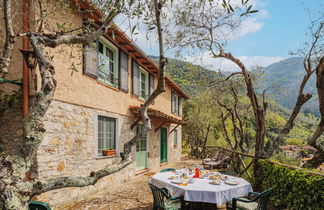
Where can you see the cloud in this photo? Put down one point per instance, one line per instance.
(205, 59)
(249, 25)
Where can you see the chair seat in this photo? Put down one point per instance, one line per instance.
(213, 163)
(245, 206)
(172, 204)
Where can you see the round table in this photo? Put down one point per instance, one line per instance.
(201, 190)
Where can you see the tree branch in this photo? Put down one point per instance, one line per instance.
(62, 182)
(10, 38)
(233, 74)
(159, 89)
(312, 141)
(54, 40)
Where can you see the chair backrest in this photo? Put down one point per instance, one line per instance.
(230, 173)
(167, 170)
(264, 199)
(158, 197)
(37, 205)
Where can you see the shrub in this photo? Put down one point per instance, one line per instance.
(293, 189)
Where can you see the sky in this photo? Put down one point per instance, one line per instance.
(264, 38)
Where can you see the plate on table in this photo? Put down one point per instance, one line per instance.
(173, 177)
(232, 182)
(177, 181)
(215, 182)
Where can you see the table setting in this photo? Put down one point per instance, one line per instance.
(201, 185)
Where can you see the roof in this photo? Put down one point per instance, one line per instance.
(119, 37)
(159, 115)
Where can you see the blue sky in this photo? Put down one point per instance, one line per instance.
(283, 29)
(263, 38)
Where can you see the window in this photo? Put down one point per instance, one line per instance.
(106, 134)
(174, 103)
(175, 138)
(143, 84)
(107, 65)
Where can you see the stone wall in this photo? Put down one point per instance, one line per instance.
(69, 149)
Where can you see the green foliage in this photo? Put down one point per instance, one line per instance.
(8, 100)
(294, 141)
(293, 189)
(282, 158)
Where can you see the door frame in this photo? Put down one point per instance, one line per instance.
(167, 139)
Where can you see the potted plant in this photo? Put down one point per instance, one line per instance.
(108, 152)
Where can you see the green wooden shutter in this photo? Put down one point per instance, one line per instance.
(135, 68)
(90, 60)
(151, 84)
(123, 71)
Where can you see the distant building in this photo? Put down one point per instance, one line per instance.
(292, 151)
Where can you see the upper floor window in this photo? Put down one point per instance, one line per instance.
(107, 64)
(175, 103)
(175, 138)
(143, 84)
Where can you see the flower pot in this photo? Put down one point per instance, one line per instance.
(108, 152)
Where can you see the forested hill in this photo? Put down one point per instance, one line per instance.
(284, 78)
(191, 78)
(195, 80)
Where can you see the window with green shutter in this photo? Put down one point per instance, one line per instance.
(107, 64)
(143, 84)
(174, 103)
(175, 138)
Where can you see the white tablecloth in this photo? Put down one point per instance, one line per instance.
(202, 191)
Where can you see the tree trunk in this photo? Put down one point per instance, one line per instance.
(315, 140)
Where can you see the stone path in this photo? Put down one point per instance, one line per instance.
(134, 194)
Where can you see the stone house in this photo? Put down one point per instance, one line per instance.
(95, 108)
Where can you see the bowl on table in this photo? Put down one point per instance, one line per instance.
(174, 177)
(215, 182)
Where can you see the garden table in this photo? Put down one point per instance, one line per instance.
(202, 191)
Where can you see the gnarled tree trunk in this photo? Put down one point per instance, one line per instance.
(314, 140)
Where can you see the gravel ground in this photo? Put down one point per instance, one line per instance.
(134, 194)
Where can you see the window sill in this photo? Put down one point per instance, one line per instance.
(106, 157)
(108, 86)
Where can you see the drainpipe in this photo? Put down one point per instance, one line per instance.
(25, 67)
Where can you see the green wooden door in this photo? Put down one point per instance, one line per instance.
(163, 145)
(141, 152)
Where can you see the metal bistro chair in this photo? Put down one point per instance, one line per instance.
(258, 202)
(167, 170)
(230, 173)
(162, 200)
(37, 205)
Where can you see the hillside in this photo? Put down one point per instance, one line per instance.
(195, 79)
(284, 78)
(191, 78)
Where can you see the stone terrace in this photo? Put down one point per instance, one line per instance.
(134, 194)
